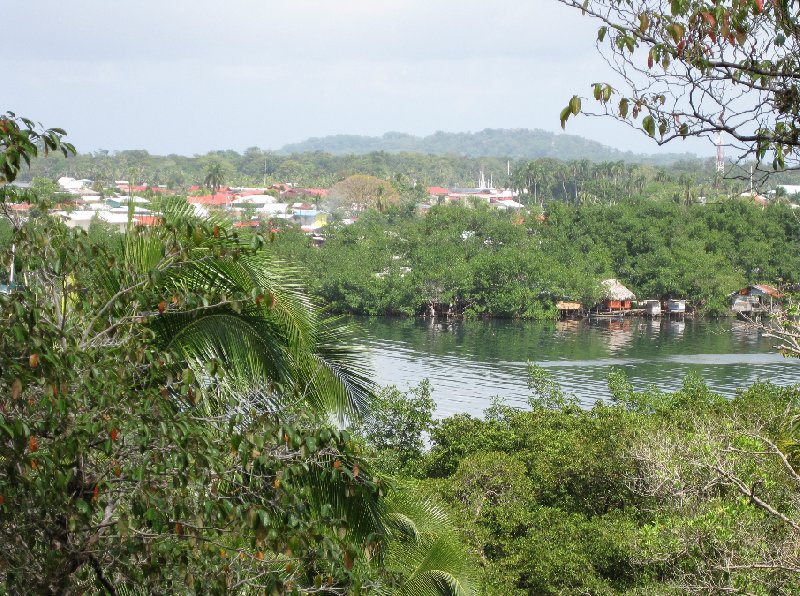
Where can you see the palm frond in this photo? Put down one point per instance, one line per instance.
(423, 553)
(439, 567)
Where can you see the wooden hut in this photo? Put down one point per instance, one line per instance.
(756, 300)
(567, 309)
(675, 306)
(616, 297)
(652, 308)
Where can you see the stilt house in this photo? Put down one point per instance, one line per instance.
(616, 296)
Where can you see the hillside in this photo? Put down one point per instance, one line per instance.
(518, 143)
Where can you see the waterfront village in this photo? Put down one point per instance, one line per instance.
(253, 207)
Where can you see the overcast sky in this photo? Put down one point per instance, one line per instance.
(188, 76)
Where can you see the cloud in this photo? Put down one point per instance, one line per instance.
(187, 76)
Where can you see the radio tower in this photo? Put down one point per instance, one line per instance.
(720, 154)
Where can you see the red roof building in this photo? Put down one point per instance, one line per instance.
(438, 190)
(218, 199)
(131, 188)
(317, 192)
(148, 220)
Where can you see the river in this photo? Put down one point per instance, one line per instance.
(470, 362)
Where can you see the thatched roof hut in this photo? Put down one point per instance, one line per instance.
(613, 290)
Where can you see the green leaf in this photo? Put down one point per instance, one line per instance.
(649, 125)
(623, 107)
(575, 105)
(564, 115)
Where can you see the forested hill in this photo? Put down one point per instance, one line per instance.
(517, 143)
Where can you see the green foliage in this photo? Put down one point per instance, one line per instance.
(485, 263)
(360, 192)
(396, 426)
(425, 555)
(739, 56)
(167, 422)
(166, 418)
(215, 175)
(659, 494)
(21, 140)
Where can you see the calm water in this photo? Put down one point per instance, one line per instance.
(470, 362)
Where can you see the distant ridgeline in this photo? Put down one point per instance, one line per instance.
(516, 143)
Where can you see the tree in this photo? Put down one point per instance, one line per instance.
(20, 141)
(167, 420)
(172, 400)
(396, 424)
(44, 188)
(698, 68)
(215, 175)
(361, 192)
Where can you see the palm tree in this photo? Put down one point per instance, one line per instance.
(688, 189)
(131, 332)
(215, 175)
(282, 357)
(424, 555)
(274, 344)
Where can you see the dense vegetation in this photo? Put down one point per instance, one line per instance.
(653, 493)
(180, 416)
(499, 264)
(173, 418)
(256, 167)
(505, 143)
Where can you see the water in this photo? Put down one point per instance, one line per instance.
(469, 363)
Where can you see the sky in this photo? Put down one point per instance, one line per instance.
(189, 76)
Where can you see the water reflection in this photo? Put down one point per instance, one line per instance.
(468, 363)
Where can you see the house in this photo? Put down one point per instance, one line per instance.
(68, 184)
(256, 201)
(319, 193)
(757, 299)
(568, 308)
(675, 306)
(757, 198)
(221, 199)
(130, 188)
(438, 191)
(652, 308)
(616, 296)
(273, 208)
(148, 220)
(304, 210)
